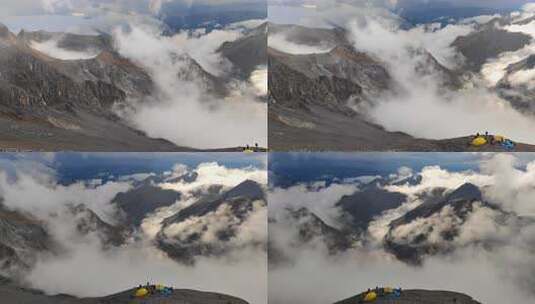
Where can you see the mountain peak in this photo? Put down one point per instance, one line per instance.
(246, 188)
(3, 29)
(349, 53)
(5, 34)
(467, 191)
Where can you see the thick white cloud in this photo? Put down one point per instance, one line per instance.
(40, 194)
(523, 78)
(496, 69)
(447, 113)
(203, 48)
(480, 19)
(52, 49)
(243, 275)
(184, 107)
(317, 198)
(51, 6)
(529, 7)
(280, 42)
(259, 79)
(208, 175)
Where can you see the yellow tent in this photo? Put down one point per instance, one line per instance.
(370, 296)
(499, 138)
(388, 290)
(479, 141)
(160, 287)
(141, 292)
(248, 151)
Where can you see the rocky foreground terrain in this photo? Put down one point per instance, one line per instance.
(12, 293)
(416, 296)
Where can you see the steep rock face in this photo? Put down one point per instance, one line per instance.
(29, 82)
(204, 237)
(417, 234)
(32, 80)
(310, 227)
(362, 206)
(328, 79)
(88, 222)
(6, 37)
(520, 94)
(110, 68)
(429, 65)
(248, 52)
(21, 238)
(192, 71)
(137, 203)
(487, 43)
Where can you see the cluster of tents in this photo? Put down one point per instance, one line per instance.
(250, 149)
(482, 140)
(152, 290)
(384, 292)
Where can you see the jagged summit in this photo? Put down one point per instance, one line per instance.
(467, 191)
(6, 37)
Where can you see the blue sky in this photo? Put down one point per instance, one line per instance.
(312, 12)
(404, 3)
(290, 168)
(37, 7)
(72, 15)
(82, 166)
(467, 3)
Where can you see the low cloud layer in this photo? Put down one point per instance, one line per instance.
(182, 107)
(39, 193)
(280, 42)
(496, 69)
(473, 108)
(52, 49)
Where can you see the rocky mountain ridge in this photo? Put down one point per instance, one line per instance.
(410, 237)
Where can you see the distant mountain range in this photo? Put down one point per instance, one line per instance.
(412, 236)
(179, 16)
